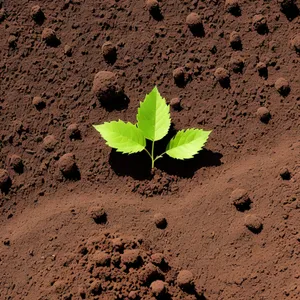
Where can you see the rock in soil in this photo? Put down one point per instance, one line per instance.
(160, 221)
(50, 38)
(158, 288)
(107, 89)
(68, 167)
(253, 223)
(185, 279)
(235, 40)
(5, 181)
(282, 86)
(264, 114)
(240, 199)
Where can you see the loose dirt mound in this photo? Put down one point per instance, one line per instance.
(229, 214)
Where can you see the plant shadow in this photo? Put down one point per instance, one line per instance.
(138, 166)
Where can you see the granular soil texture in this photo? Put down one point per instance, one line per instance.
(81, 221)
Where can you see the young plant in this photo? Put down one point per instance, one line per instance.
(153, 123)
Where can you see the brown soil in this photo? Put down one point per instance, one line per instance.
(80, 221)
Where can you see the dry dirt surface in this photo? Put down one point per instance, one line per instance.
(81, 221)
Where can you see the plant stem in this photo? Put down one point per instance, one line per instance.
(152, 155)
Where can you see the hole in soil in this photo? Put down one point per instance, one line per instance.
(198, 31)
(156, 14)
(119, 102)
(290, 9)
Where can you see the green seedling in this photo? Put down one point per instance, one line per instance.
(153, 123)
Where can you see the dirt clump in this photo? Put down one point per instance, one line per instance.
(68, 167)
(235, 40)
(107, 89)
(185, 279)
(109, 52)
(50, 142)
(15, 162)
(282, 86)
(241, 199)
(222, 75)
(50, 38)
(264, 114)
(194, 22)
(254, 223)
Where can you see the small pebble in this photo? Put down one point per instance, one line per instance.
(282, 86)
(262, 69)
(131, 258)
(296, 43)
(152, 6)
(253, 223)
(109, 51)
(68, 50)
(222, 75)
(194, 22)
(236, 63)
(179, 76)
(264, 114)
(101, 259)
(50, 38)
(68, 167)
(158, 288)
(240, 199)
(175, 103)
(235, 40)
(73, 132)
(49, 142)
(149, 274)
(185, 279)
(160, 221)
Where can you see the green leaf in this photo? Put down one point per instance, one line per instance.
(187, 143)
(125, 137)
(154, 116)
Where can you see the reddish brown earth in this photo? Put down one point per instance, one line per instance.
(79, 221)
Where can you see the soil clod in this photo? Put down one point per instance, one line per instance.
(222, 75)
(282, 86)
(235, 40)
(73, 132)
(254, 223)
(240, 199)
(39, 103)
(194, 22)
(158, 288)
(109, 52)
(68, 167)
(108, 90)
(262, 69)
(160, 221)
(15, 162)
(185, 280)
(264, 114)
(50, 38)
